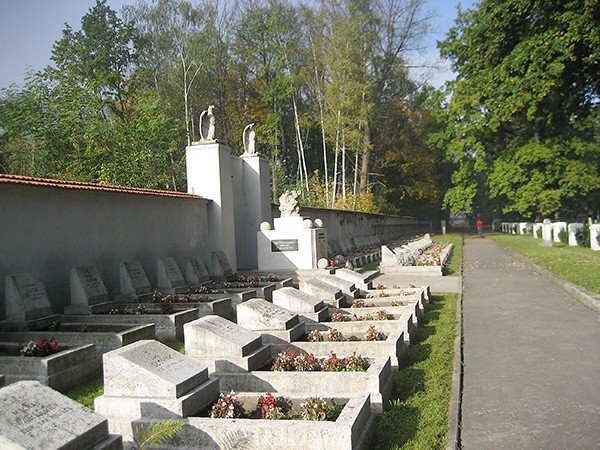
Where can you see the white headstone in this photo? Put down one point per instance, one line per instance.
(221, 264)
(34, 416)
(573, 229)
(149, 368)
(133, 279)
(26, 298)
(594, 235)
(388, 257)
(258, 314)
(214, 336)
(169, 275)
(297, 301)
(87, 287)
(557, 228)
(195, 271)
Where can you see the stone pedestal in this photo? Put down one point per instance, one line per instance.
(293, 244)
(209, 175)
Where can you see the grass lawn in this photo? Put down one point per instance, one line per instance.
(453, 264)
(418, 417)
(578, 265)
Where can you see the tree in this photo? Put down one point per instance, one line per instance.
(527, 80)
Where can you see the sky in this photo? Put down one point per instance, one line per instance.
(29, 28)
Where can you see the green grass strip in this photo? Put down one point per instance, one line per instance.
(418, 413)
(577, 265)
(86, 393)
(452, 267)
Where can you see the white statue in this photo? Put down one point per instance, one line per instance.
(288, 204)
(207, 125)
(249, 140)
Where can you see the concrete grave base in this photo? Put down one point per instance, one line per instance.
(60, 371)
(168, 327)
(351, 431)
(393, 346)
(376, 381)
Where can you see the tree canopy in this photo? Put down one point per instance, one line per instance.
(326, 84)
(522, 121)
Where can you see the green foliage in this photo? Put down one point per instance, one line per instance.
(157, 433)
(522, 121)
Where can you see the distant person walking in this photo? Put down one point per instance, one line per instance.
(479, 225)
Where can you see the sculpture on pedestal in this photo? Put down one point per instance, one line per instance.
(249, 140)
(207, 125)
(288, 204)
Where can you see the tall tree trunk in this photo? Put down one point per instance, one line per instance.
(364, 167)
(335, 162)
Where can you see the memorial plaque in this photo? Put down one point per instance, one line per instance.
(195, 271)
(87, 287)
(284, 245)
(166, 372)
(35, 417)
(258, 314)
(297, 301)
(133, 279)
(26, 298)
(321, 243)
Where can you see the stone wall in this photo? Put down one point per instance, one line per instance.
(349, 224)
(50, 229)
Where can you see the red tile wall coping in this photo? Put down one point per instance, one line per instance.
(66, 184)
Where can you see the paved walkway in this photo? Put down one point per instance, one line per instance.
(531, 358)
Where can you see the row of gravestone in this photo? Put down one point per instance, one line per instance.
(151, 382)
(557, 232)
(26, 297)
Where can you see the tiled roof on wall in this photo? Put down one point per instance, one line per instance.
(33, 181)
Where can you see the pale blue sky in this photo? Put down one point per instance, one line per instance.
(29, 28)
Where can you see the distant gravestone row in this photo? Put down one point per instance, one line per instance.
(557, 232)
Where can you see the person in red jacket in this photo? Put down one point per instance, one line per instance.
(479, 225)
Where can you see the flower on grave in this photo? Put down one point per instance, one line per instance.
(396, 303)
(140, 309)
(356, 363)
(166, 307)
(306, 363)
(271, 407)
(43, 347)
(373, 335)
(315, 336)
(338, 316)
(228, 406)
(333, 364)
(382, 314)
(380, 286)
(285, 361)
(315, 408)
(335, 335)
(383, 294)
(358, 303)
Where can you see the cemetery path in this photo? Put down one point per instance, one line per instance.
(531, 357)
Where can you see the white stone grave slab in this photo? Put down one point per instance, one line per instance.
(170, 278)
(361, 280)
(537, 227)
(273, 322)
(220, 264)
(37, 417)
(133, 279)
(195, 270)
(328, 293)
(88, 293)
(26, 298)
(224, 346)
(573, 228)
(388, 257)
(295, 300)
(150, 379)
(347, 287)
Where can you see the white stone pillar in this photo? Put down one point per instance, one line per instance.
(536, 227)
(256, 208)
(209, 175)
(594, 234)
(522, 227)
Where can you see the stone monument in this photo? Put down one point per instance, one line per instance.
(294, 243)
